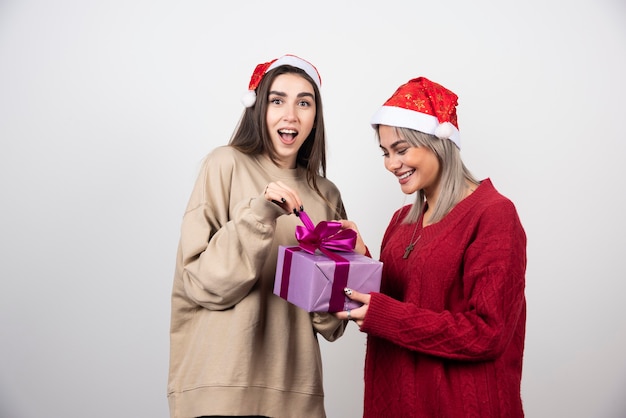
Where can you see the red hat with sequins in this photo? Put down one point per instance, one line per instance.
(424, 106)
(249, 98)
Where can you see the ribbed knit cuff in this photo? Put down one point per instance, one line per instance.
(383, 317)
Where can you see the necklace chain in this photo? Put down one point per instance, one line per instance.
(412, 243)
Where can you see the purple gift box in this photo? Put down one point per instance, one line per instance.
(315, 282)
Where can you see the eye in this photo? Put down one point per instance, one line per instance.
(402, 151)
(304, 103)
(275, 100)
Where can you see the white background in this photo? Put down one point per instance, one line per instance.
(107, 108)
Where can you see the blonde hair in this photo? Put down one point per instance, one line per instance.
(453, 174)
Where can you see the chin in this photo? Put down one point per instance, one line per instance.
(408, 190)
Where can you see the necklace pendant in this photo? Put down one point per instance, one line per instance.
(407, 251)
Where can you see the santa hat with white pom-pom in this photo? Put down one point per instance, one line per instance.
(249, 98)
(424, 106)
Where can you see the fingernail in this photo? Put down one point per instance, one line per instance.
(282, 199)
(347, 291)
(301, 208)
(295, 212)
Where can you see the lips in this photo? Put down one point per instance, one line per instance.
(406, 175)
(287, 135)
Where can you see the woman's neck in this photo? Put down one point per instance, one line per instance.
(432, 196)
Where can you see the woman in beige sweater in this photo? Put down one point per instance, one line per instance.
(236, 348)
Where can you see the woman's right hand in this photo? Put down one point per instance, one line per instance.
(284, 196)
(357, 315)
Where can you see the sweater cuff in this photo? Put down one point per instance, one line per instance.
(384, 316)
(265, 212)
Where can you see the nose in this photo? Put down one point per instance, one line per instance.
(393, 162)
(290, 113)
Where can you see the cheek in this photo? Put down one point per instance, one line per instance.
(310, 120)
(434, 164)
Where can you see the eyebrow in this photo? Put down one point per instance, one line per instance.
(395, 144)
(282, 94)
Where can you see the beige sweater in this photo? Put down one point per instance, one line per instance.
(235, 347)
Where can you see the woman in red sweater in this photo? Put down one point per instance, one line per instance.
(446, 332)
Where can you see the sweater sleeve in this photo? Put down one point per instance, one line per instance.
(223, 245)
(493, 284)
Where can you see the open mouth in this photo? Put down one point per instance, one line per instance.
(287, 135)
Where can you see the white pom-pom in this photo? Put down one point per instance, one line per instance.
(249, 98)
(444, 130)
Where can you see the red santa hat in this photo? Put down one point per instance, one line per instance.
(249, 98)
(424, 106)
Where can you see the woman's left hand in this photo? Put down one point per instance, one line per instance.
(358, 314)
(359, 247)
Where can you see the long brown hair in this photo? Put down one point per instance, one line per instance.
(252, 137)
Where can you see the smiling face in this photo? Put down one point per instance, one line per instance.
(290, 116)
(416, 168)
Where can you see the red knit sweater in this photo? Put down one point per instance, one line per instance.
(446, 333)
